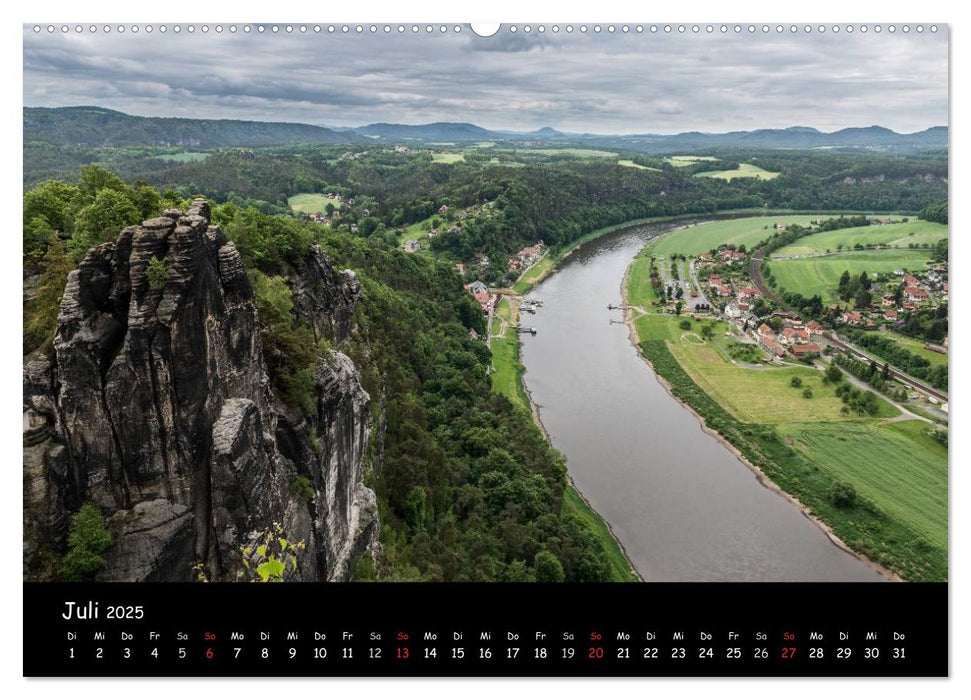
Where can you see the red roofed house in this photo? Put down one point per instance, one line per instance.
(890, 314)
(803, 349)
(715, 280)
(772, 347)
(765, 331)
(790, 336)
(915, 294)
(851, 318)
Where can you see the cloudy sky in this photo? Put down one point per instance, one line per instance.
(602, 83)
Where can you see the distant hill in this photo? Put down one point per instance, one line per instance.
(438, 131)
(96, 127)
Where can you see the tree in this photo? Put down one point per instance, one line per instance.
(54, 202)
(807, 393)
(548, 568)
(795, 382)
(57, 265)
(157, 273)
(102, 220)
(36, 233)
(886, 372)
(842, 495)
(88, 541)
(844, 284)
(833, 374)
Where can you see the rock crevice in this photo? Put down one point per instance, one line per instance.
(157, 408)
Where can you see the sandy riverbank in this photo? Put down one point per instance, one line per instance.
(760, 476)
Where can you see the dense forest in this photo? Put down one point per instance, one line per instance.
(468, 487)
(520, 196)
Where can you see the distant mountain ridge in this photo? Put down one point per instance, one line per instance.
(97, 126)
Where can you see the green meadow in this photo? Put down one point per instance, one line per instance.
(895, 235)
(821, 275)
(700, 238)
(743, 170)
(309, 203)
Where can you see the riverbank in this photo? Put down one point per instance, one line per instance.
(862, 530)
(547, 264)
(508, 373)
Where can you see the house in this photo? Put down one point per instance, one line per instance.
(705, 257)
(915, 294)
(723, 290)
(890, 314)
(442, 209)
(851, 318)
(749, 293)
(477, 287)
(944, 291)
(765, 331)
(455, 229)
(485, 301)
(888, 300)
(771, 347)
(911, 281)
(801, 350)
(715, 280)
(460, 267)
(793, 336)
(732, 310)
(412, 246)
(815, 330)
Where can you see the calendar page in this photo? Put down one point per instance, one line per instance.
(604, 349)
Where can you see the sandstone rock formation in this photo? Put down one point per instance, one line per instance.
(157, 408)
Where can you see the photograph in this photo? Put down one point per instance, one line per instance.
(545, 305)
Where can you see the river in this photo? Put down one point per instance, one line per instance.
(684, 507)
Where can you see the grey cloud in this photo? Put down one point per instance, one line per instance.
(594, 83)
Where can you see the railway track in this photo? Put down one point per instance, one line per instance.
(755, 273)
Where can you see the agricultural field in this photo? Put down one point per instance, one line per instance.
(447, 157)
(419, 229)
(700, 238)
(308, 203)
(684, 161)
(632, 164)
(185, 157)
(901, 477)
(821, 275)
(571, 152)
(753, 395)
(895, 235)
(743, 170)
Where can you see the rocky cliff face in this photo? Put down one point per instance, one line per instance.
(157, 408)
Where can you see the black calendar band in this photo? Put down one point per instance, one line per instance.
(400, 629)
